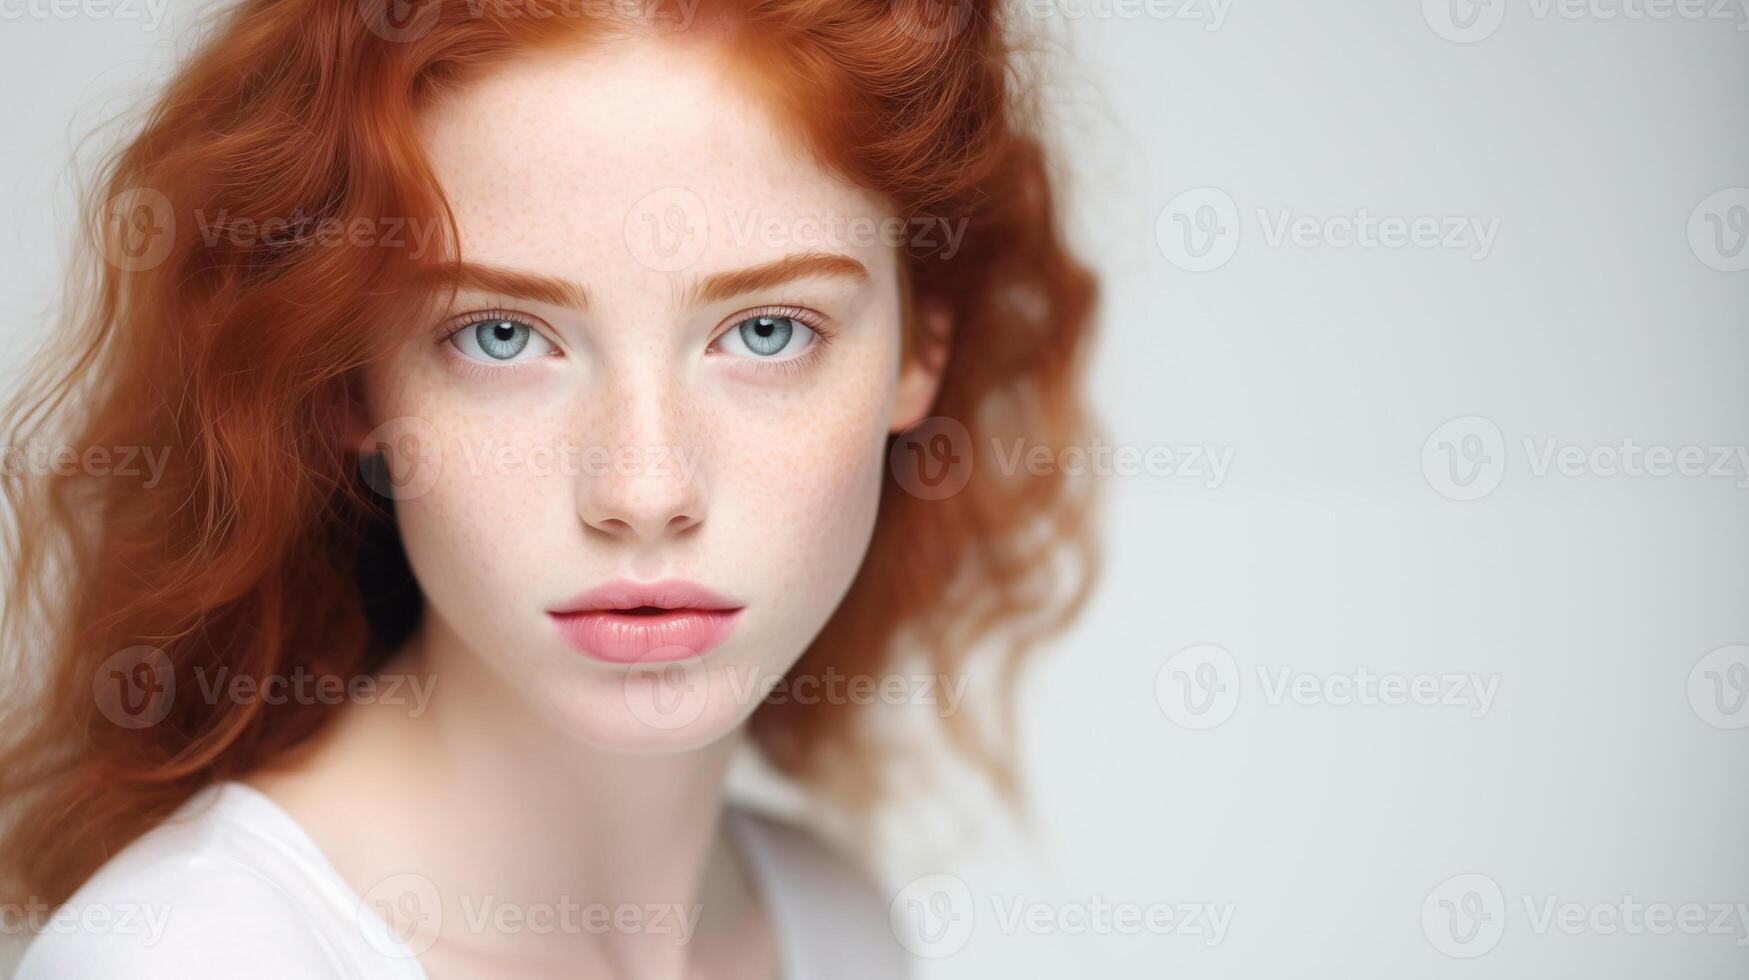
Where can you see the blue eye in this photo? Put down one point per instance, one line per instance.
(768, 338)
(499, 340)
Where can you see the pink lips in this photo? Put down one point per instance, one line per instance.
(645, 622)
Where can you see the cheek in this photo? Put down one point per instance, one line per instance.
(468, 523)
(802, 489)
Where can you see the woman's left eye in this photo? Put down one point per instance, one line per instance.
(768, 338)
(500, 340)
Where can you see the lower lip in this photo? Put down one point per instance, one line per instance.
(627, 638)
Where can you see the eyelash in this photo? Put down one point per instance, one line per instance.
(478, 369)
(472, 368)
(807, 318)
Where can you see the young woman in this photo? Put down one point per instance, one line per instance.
(524, 400)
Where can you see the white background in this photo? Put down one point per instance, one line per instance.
(1585, 599)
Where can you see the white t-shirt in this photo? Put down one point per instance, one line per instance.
(231, 886)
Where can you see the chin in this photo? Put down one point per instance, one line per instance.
(659, 708)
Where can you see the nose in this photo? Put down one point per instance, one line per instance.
(645, 483)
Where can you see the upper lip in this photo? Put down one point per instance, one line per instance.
(627, 595)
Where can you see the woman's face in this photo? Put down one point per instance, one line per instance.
(676, 359)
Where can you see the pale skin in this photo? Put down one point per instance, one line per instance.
(537, 776)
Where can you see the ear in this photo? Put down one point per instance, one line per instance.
(923, 363)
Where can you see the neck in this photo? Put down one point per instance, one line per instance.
(512, 819)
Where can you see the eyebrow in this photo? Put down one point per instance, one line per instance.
(522, 285)
(802, 265)
(723, 285)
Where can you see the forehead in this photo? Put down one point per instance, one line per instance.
(633, 162)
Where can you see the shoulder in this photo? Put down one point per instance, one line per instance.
(212, 892)
(831, 917)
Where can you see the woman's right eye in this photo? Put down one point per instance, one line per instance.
(500, 340)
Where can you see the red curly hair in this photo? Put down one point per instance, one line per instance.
(261, 549)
